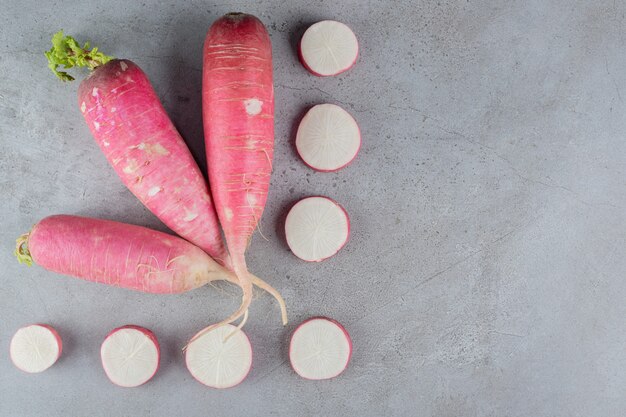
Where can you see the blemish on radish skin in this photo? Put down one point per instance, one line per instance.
(229, 213)
(83, 107)
(153, 191)
(94, 92)
(190, 216)
(253, 106)
(131, 167)
(113, 109)
(123, 66)
(160, 150)
(105, 143)
(96, 125)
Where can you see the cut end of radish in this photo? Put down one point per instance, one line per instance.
(220, 358)
(328, 138)
(35, 348)
(320, 348)
(130, 356)
(328, 48)
(316, 228)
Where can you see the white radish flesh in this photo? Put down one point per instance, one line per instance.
(220, 358)
(35, 348)
(130, 356)
(328, 138)
(328, 48)
(316, 228)
(320, 348)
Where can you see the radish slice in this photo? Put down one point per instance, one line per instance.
(130, 356)
(328, 48)
(35, 348)
(316, 228)
(328, 138)
(221, 358)
(320, 348)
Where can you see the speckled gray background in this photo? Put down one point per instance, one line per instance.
(486, 271)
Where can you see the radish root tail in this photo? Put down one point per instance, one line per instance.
(21, 250)
(271, 290)
(246, 298)
(243, 321)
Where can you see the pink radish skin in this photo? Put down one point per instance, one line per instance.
(227, 330)
(140, 142)
(58, 340)
(345, 333)
(347, 233)
(323, 26)
(118, 254)
(144, 148)
(238, 115)
(317, 168)
(148, 334)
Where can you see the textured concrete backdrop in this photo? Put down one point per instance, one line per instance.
(485, 274)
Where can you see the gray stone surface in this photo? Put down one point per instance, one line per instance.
(485, 274)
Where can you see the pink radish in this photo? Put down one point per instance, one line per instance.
(141, 143)
(35, 348)
(328, 48)
(316, 228)
(238, 114)
(320, 348)
(219, 358)
(130, 356)
(118, 254)
(144, 148)
(328, 138)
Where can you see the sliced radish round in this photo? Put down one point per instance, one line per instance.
(328, 48)
(316, 228)
(220, 358)
(130, 356)
(35, 348)
(320, 348)
(328, 138)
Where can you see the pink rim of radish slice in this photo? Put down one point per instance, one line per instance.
(35, 348)
(328, 138)
(130, 356)
(220, 358)
(320, 348)
(328, 48)
(316, 228)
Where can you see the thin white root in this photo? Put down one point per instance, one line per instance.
(246, 298)
(243, 321)
(271, 290)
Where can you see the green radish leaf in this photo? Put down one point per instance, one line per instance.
(66, 52)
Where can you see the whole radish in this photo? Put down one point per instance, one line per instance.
(238, 115)
(118, 254)
(144, 148)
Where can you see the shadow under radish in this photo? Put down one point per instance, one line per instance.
(182, 95)
(282, 217)
(294, 129)
(297, 30)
